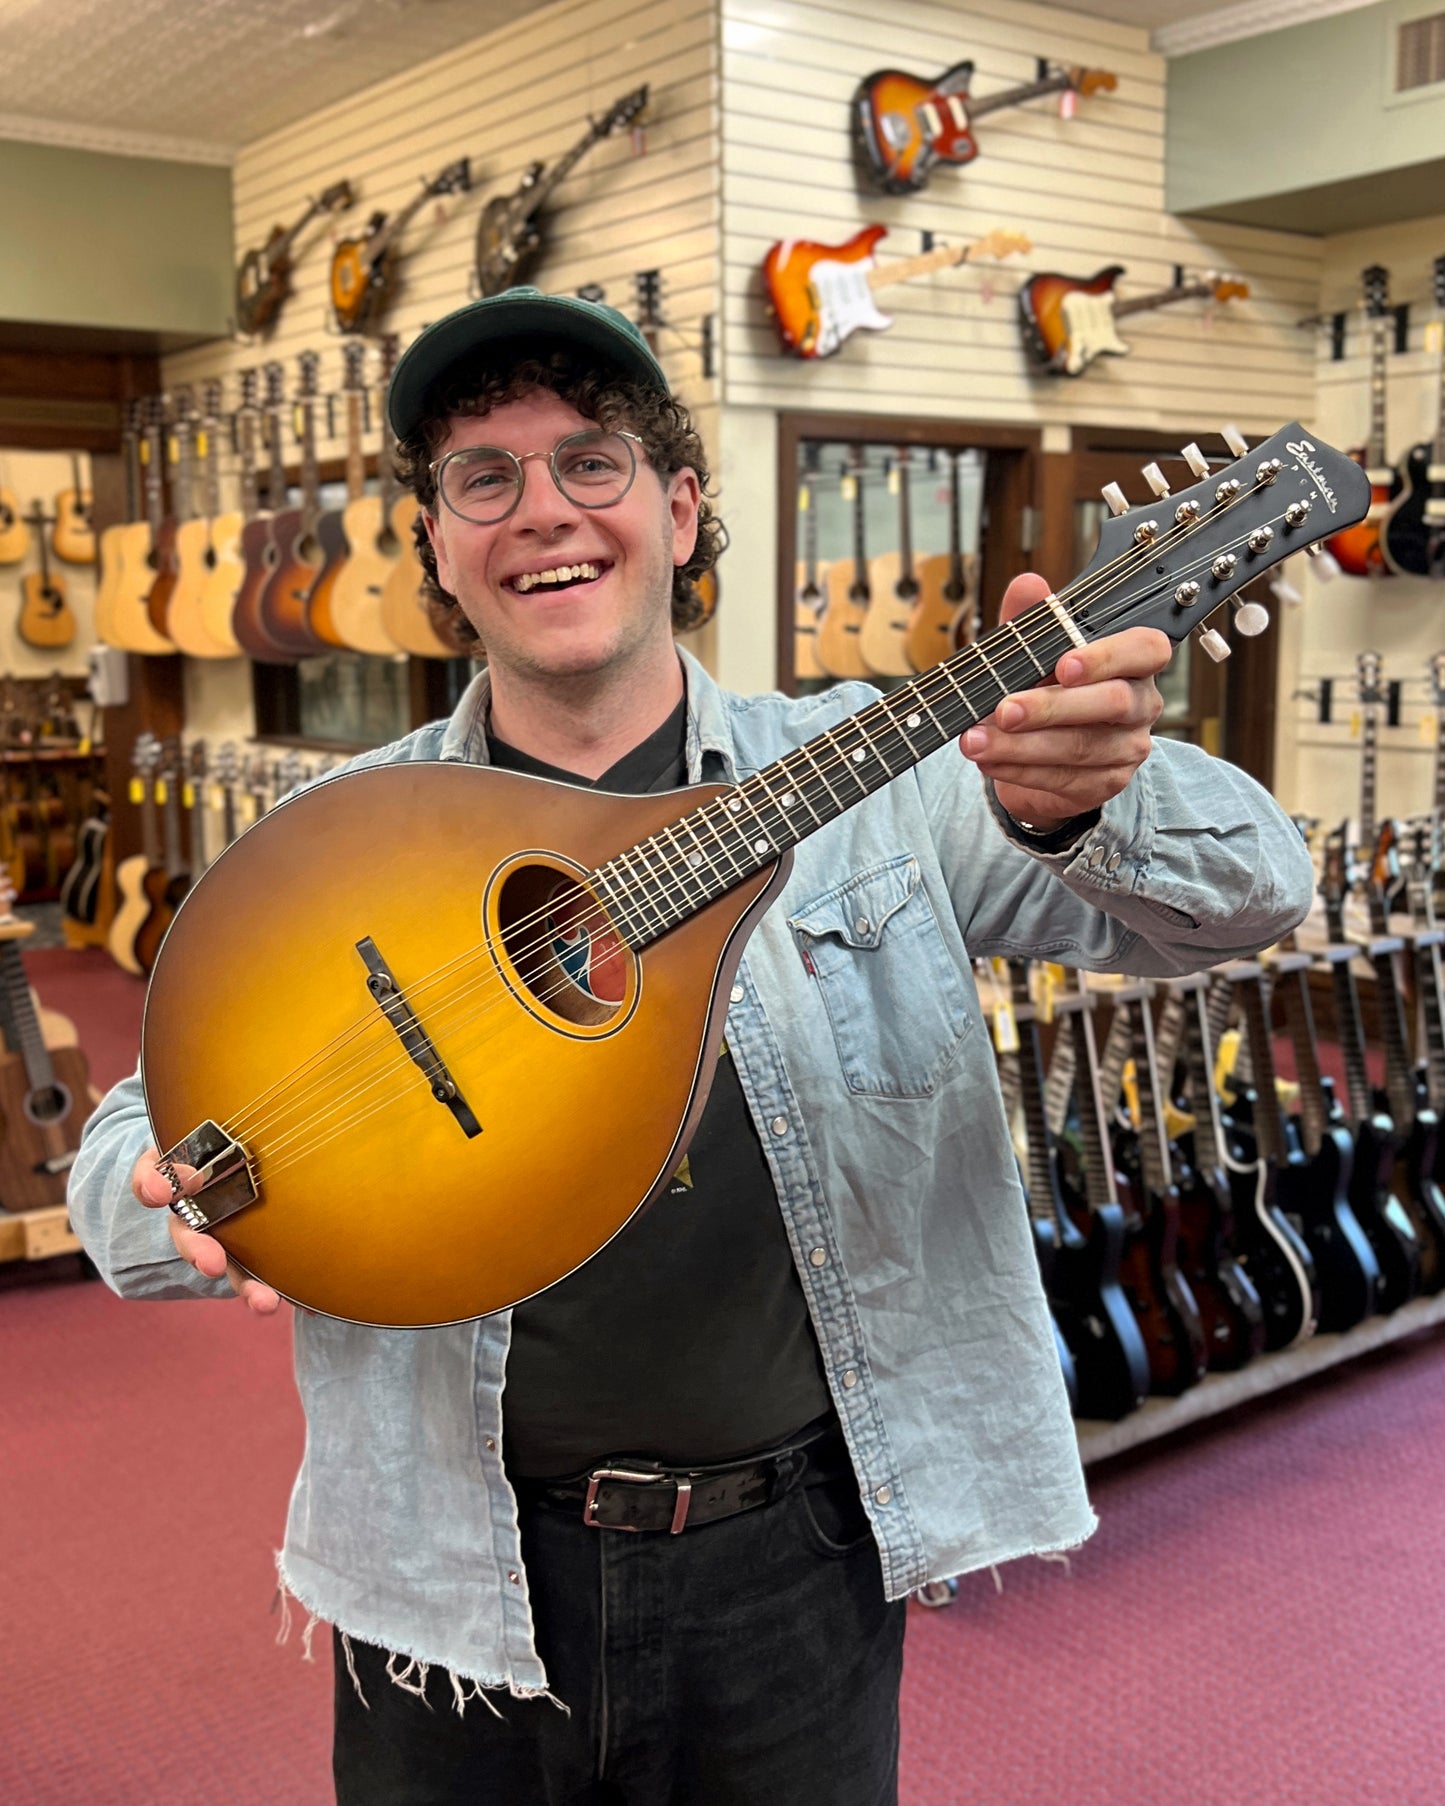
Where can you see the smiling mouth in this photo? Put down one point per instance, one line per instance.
(562, 576)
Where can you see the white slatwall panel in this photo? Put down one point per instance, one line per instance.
(1087, 191)
(1402, 618)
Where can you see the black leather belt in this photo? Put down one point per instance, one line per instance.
(643, 1496)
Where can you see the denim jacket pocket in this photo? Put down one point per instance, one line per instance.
(894, 995)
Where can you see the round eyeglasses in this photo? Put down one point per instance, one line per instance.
(483, 483)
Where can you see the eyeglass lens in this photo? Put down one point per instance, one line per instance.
(483, 483)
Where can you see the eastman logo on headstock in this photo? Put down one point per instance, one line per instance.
(1301, 449)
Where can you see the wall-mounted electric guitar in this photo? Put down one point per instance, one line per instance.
(290, 1074)
(145, 551)
(943, 616)
(46, 620)
(509, 236)
(363, 270)
(893, 587)
(903, 127)
(263, 276)
(1358, 550)
(841, 624)
(1413, 539)
(820, 295)
(1068, 321)
(296, 549)
(808, 596)
(72, 539)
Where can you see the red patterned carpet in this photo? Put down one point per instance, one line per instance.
(1257, 1623)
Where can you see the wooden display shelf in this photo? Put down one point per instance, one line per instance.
(36, 1234)
(1219, 1392)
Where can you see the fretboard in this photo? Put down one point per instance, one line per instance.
(1376, 456)
(663, 880)
(1015, 97)
(1399, 1080)
(1088, 1096)
(1186, 291)
(21, 1019)
(1199, 1080)
(1369, 739)
(1267, 1124)
(1153, 1143)
(1299, 1019)
(1031, 1090)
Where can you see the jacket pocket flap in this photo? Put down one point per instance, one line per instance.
(857, 910)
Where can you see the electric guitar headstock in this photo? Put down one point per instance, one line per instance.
(1085, 82)
(1369, 669)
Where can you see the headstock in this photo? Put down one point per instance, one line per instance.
(249, 394)
(622, 112)
(1437, 278)
(1437, 679)
(1092, 81)
(307, 362)
(228, 764)
(1369, 669)
(211, 394)
(1172, 562)
(1338, 873)
(1375, 282)
(1229, 288)
(390, 351)
(145, 755)
(275, 374)
(336, 199)
(197, 766)
(353, 355)
(999, 244)
(456, 178)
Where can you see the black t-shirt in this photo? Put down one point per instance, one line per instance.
(687, 1339)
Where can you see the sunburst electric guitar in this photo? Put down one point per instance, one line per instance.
(415, 1115)
(1068, 321)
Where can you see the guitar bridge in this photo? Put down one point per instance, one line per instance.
(227, 1181)
(413, 1037)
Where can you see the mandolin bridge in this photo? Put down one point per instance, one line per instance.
(227, 1182)
(392, 1002)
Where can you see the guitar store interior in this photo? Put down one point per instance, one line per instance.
(1178, 230)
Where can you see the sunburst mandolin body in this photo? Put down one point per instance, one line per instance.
(374, 1204)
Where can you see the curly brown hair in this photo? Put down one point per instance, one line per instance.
(672, 443)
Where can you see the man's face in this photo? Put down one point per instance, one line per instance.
(587, 625)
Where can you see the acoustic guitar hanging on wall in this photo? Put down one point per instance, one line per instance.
(1068, 321)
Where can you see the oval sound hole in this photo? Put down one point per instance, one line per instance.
(564, 948)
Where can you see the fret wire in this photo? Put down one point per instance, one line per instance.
(745, 792)
(799, 787)
(615, 898)
(714, 876)
(845, 763)
(789, 834)
(727, 822)
(639, 892)
(690, 871)
(657, 866)
(1013, 626)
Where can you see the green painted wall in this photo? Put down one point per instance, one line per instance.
(1260, 130)
(126, 243)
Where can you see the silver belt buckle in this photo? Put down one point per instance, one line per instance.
(598, 1475)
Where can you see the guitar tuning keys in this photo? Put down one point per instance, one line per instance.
(1214, 643)
(1195, 459)
(1115, 497)
(1156, 480)
(1234, 439)
(1250, 618)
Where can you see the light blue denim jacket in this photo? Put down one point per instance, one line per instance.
(856, 1031)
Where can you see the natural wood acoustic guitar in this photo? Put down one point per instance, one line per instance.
(840, 626)
(228, 563)
(197, 503)
(72, 538)
(114, 544)
(357, 595)
(409, 616)
(46, 619)
(14, 534)
(140, 880)
(893, 587)
(283, 605)
(406, 1112)
(143, 551)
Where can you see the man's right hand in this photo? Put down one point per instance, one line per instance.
(203, 1252)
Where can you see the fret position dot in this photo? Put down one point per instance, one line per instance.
(788, 799)
(913, 721)
(694, 859)
(736, 805)
(860, 753)
(760, 846)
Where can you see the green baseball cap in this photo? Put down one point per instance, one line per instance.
(527, 322)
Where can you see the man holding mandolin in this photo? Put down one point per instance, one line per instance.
(684, 1492)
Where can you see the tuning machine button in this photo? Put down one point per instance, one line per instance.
(1146, 532)
(1223, 566)
(1296, 514)
(1228, 489)
(1187, 513)
(1260, 539)
(1214, 643)
(1115, 497)
(1250, 618)
(1268, 471)
(1187, 592)
(1156, 480)
(1316, 549)
(1195, 459)
(1234, 439)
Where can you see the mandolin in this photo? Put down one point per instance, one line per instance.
(314, 1039)
(363, 270)
(72, 537)
(1413, 536)
(903, 128)
(263, 276)
(892, 587)
(1359, 551)
(1068, 321)
(841, 623)
(820, 295)
(943, 616)
(809, 596)
(509, 238)
(295, 549)
(46, 620)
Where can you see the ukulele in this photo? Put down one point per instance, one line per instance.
(809, 595)
(1275, 1254)
(360, 585)
(296, 550)
(1099, 1332)
(186, 621)
(509, 237)
(1388, 1227)
(1358, 550)
(263, 276)
(46, 621)
(44, 1092)
(363, 270)
(302, 972)
(893, 588)
(72, 538)
(1230, 1308)
(1067, 321)
(140, 880)
(904, 127)
(820, 295)
(1413, 536)
(943, 616)
(116, 545)
(841, 623)
(144, 551)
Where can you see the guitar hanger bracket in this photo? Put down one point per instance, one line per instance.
(391, 1001)
(1402, 326)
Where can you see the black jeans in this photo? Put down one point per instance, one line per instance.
(750, 1662)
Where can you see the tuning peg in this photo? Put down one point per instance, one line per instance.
(1115, 497)
(1214, 643)
(1283, 590)
(1156, 480)
(1234, 439)
(1195, 459)
(1326, 565)
(1250, 618)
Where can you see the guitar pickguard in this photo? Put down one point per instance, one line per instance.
(1091, 331)
(843, 303)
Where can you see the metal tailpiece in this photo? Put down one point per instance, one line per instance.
(227, 1183)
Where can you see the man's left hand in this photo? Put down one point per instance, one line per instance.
(1067, 747)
